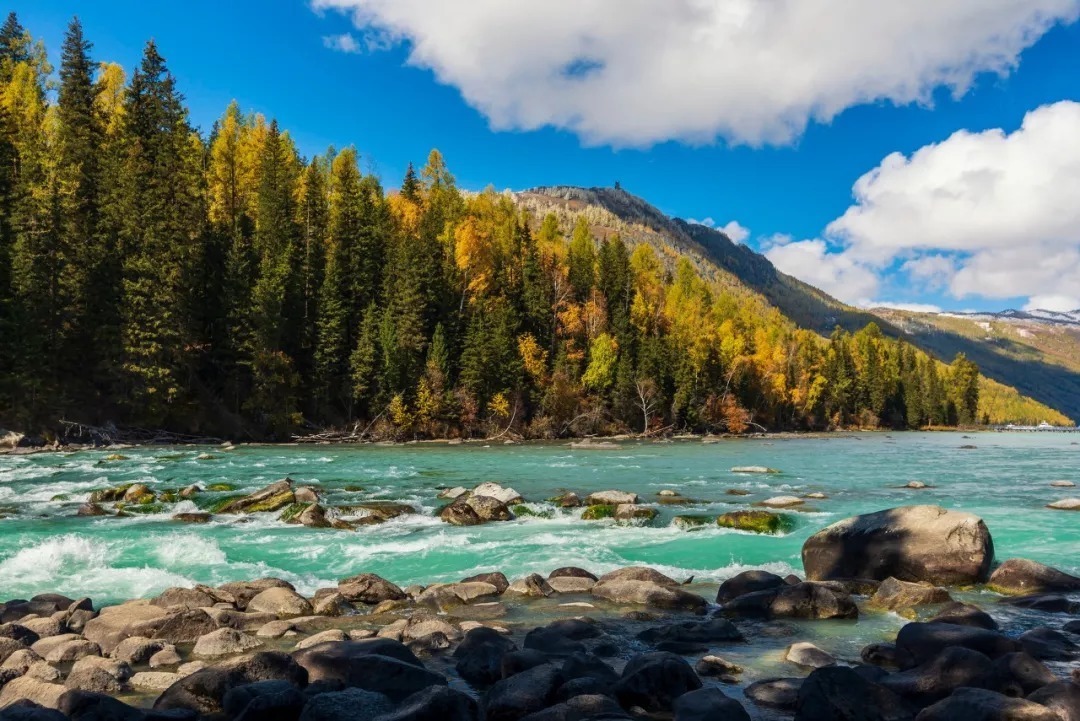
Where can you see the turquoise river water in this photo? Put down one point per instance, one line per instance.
(45, 547)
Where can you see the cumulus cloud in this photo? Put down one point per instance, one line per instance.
(343, 43)
(736, 231)
(836, 273)
(1060, 303)
(707, 222)
(989, 214)
(913, 307)
(693, 70)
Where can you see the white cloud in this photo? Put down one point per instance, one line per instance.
(748, 71)
(835, 273)
(1060, 303)
(736, 232)
(343, 43)
(707, 222)
(989, 214)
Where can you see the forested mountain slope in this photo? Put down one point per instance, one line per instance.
(1037, 353)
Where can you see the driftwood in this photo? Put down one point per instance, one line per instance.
(112, 435)
(333, 435)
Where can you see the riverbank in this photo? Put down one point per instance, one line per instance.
(630, 643)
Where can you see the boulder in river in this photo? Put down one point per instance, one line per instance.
(809, 655)
(653, 681)
(754, 469)
(896, 595)
(506, 496)
(274, 497)
(755, 521)
(610, 498)
(1022, 576)
(814, 601)
(376, 664)
(370, 589)
(838, 692)
(1065, 504)
(648, 593)
(782, 502)
(489, 508)
(917, 643)
(633, 513)
(911, 543)
(976, 704)
(748, 582)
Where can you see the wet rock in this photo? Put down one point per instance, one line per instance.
(120, 670)
(653, 681)
(370, 589)
(755, 521)
(313, 516)
(515, 662)
(1062, 697)
(533, 585)
(1065, 504)
(30, 689)
(186, 597)
(912, 543)
(638, 573)
(136, 649)
(193, 517)
(436, 703)
(648, 593)
(506, 496)
(598, 512)
(271, 498)
(488, 509)
(452, 493)
(965, 614)
(571, 584)
(1022, 576)
(915, 485)
(812, 601)
(306, 494)
(1016, 674)
(455, 594)
(204, 690)
(496, 579)
(350, 704)
(165, 657)
(377, 664)
(244, 591)
(754, 469)
(896, 595)
(480, 654)
(809, 655)
(756, 604)
(1048, 644)
(714, 630)
(330, 634)
(782, 502)
(91, 510)
(839, 693)
(224, 642)
(708, 704)
(138, 493)
(937, 678)
(692, 523)
(972, 704)
(185, 627)
(610, 498)
(879, 654)
(633, 513)
(716, 666)
(777, 693)
(281, 602)
(566, 500)
(747, 582)
(460, 513)
(918, 643)
(422, 624)
(578, 708)
(1045, 602)
(522, 694)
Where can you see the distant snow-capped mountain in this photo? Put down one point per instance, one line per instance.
(1053, 317)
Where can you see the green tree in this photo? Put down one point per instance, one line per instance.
(582, 260)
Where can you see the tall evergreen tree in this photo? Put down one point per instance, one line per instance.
(582, 260)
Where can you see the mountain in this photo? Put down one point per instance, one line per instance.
(1036, 352)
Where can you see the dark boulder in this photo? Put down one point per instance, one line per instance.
(204, 691)
(777, 693)
(590, 706)
(436, 703)
(937, 678)
(586, 665)
(376, 664)
(480, 655)
(809, 600)
(710, 631)
(974, 704)
(708, 704)
(89, 706)
(1022, 576)
(516, 662)
(965, 614)
(522, 694)
(838, 693)
(370, 589)
(879, 654)
(1016, 674)
(25, 710)
(747, 582)
(1045, 602)
(1060, 696)
(351, 704)
(918, 643)
(653, 681)
(496, 579)
(571, 572)
(756, 604)
(1048, 644)
(912, 543)
(284, 704)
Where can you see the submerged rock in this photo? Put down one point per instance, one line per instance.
(755, 521)
(777, 693)
(271, 498)
(912, 543)
(782, 502)
(754, 469)
(692, 523)
(982, 705)
(648, 593)
(809, 655)
(1065, 504)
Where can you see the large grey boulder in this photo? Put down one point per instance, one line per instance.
(911, 543)
(204, 691)
(975, 704)
(653, 681)
(917, 643)
(1022, 576)
(377, 664)
(370, 589)
(838, 693)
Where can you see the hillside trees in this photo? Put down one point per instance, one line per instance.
(156, 277)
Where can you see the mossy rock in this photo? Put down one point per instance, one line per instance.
(214, 505)
(635, 515)
(272, 503)
(108, 495)
(115, 457)
(60, 497)
(353, 489)
(383, 510)
(219, 487)
(292, 513)
(756, 522)
(521, 510)
(692, 523)
(598, 513)
(169, 496)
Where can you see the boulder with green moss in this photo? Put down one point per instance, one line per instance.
(691, 523)
(521, 510)
(633, 513)
(138, 493)
(109, 495)
(292, 512)
(755, 521)
(598, 512)
(274, 497)
(220, 487)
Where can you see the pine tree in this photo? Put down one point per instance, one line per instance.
(313, 222)
(160, 244)
(582, 260)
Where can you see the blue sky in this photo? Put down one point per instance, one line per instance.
(776, 152)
